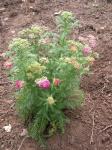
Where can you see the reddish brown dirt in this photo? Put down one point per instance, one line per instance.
(91, 127)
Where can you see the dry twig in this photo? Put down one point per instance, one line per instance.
(92, 132)
(106, 128)
(22, 142)
(25, 3)
(3, 83)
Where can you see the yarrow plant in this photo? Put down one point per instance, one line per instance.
(47, 68)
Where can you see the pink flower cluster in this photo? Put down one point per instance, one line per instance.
(43, 83)
(19, 84)
(87, 50)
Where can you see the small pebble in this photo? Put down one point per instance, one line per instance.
(13, 31)
(2, 9)
(24, 132)
(5, 19)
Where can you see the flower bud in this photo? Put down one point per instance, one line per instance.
(50, 100)
(43, 83)
(56, 81)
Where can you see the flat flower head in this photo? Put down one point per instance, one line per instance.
(39, 30)
(76, 65)
(67, 15)
(87, 50)
(36, 68)
(19, 84)
(73, 48)
(73, 62)
(90, 59)
(43, 83)
(50, 100)
(19, 44)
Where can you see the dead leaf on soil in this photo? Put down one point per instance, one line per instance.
(7, 128)
(24, 132)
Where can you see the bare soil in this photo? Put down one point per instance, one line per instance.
(90, 127)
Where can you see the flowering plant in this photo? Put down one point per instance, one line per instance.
(46, 68)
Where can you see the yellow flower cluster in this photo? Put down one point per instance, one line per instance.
(43, 60)
(34, 69)
(73, 48)
(20, 44)
(67, 15)
(90, 59)
(33, 31)
(73, 61)
(74, 45)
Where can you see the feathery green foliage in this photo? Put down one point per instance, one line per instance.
(47, 68)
